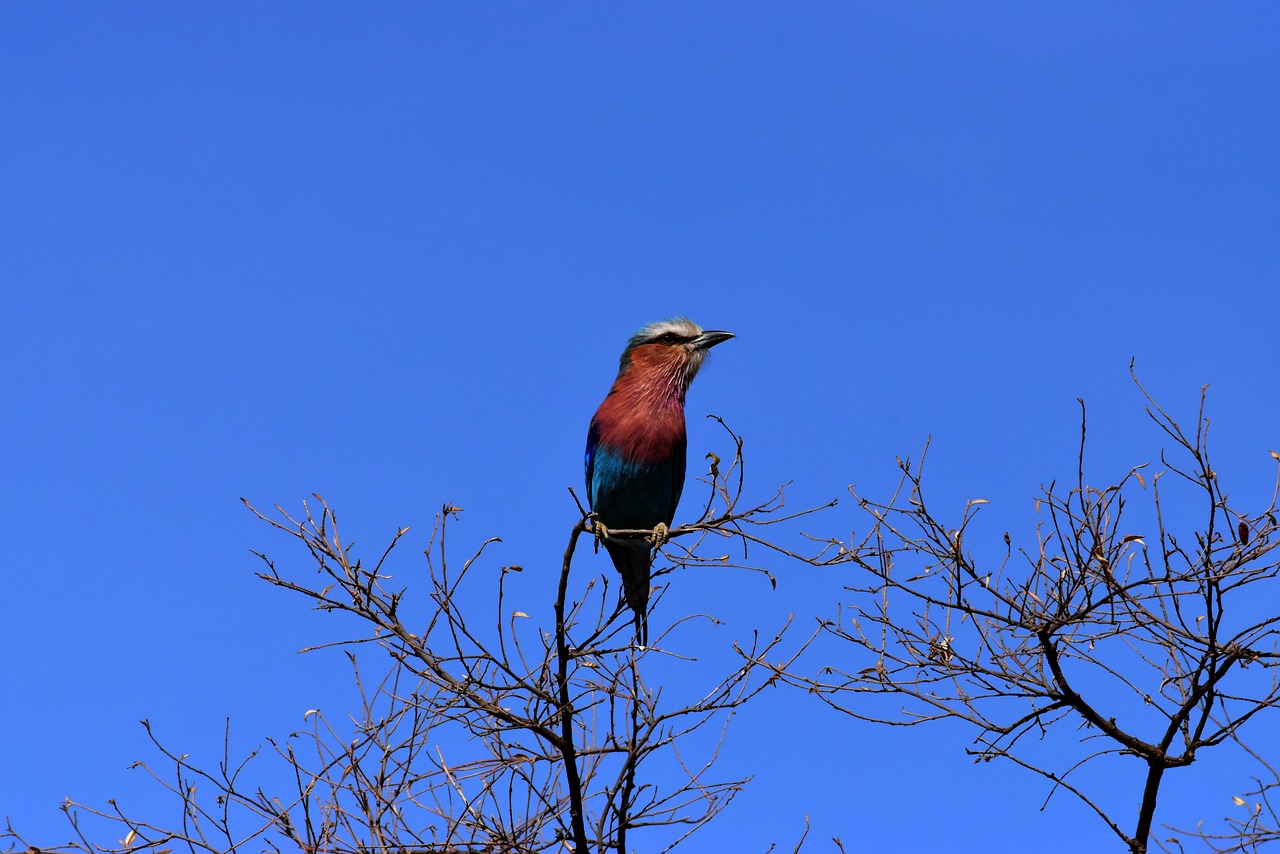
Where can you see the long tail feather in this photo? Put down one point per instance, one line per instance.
(633, 559)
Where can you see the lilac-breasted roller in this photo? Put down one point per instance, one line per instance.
(636, 448)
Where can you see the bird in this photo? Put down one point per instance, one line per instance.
(635, 459)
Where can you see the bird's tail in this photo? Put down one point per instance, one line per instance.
(633, 558)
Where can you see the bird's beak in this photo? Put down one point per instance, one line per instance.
(710, 338)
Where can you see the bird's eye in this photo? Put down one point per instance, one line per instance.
(669, 338)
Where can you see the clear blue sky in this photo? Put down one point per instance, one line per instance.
(390, 253)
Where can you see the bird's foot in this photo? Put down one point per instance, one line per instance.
(661, 533)
(600, 532)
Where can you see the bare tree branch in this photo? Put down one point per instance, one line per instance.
(479, 734)
(1098, 629)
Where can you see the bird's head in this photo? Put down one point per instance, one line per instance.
(673, 349)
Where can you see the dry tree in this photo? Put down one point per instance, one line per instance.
(487, 728)
(1151, 639)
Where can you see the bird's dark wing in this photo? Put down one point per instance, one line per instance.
(589, 461)
(677, 472)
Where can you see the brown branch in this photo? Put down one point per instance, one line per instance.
(565, 714)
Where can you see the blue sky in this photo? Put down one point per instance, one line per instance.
(390, 253)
